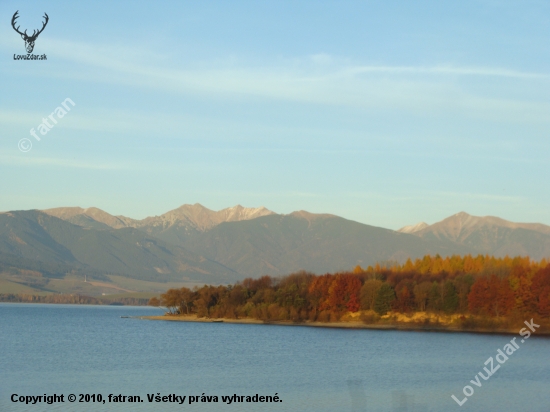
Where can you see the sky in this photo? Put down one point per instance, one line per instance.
(384, 112)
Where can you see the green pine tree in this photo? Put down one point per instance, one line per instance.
(434, 298)
(384, 299)
(450, 297)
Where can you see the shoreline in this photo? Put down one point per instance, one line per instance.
(343, 325)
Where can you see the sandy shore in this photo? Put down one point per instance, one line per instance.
(194, 318)
(343, 325)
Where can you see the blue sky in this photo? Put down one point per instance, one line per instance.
(386, 112)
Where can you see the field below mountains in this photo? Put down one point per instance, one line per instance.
(90, 252)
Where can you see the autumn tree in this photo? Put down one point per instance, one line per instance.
(368, 293)
(170, 300)
(421, 292)
(255, 285)
(343, 288)
(319, 291)
(492, 296)
(540, 288)
(154, 301)
(404, 301)
(184, 300)
(207, 297)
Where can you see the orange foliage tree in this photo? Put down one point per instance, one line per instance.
(492, 296)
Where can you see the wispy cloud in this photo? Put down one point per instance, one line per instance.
(434, 196)
(447, 70)
(480, 196)
(317, 79)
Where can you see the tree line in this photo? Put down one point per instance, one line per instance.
(481, 285)
(72, 299)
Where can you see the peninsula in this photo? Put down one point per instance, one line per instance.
(470, 294)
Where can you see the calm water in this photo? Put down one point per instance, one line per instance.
(90, 349)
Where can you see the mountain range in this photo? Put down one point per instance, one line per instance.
(46, 250)
(488, 235)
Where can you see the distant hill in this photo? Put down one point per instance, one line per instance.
(280, 244)
(129, 251)
(488, 235)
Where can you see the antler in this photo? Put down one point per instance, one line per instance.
(34, 33)
(43, 25)
(13, 19)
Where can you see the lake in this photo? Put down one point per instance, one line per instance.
(70, 349)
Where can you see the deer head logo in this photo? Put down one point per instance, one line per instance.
(29, 40)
